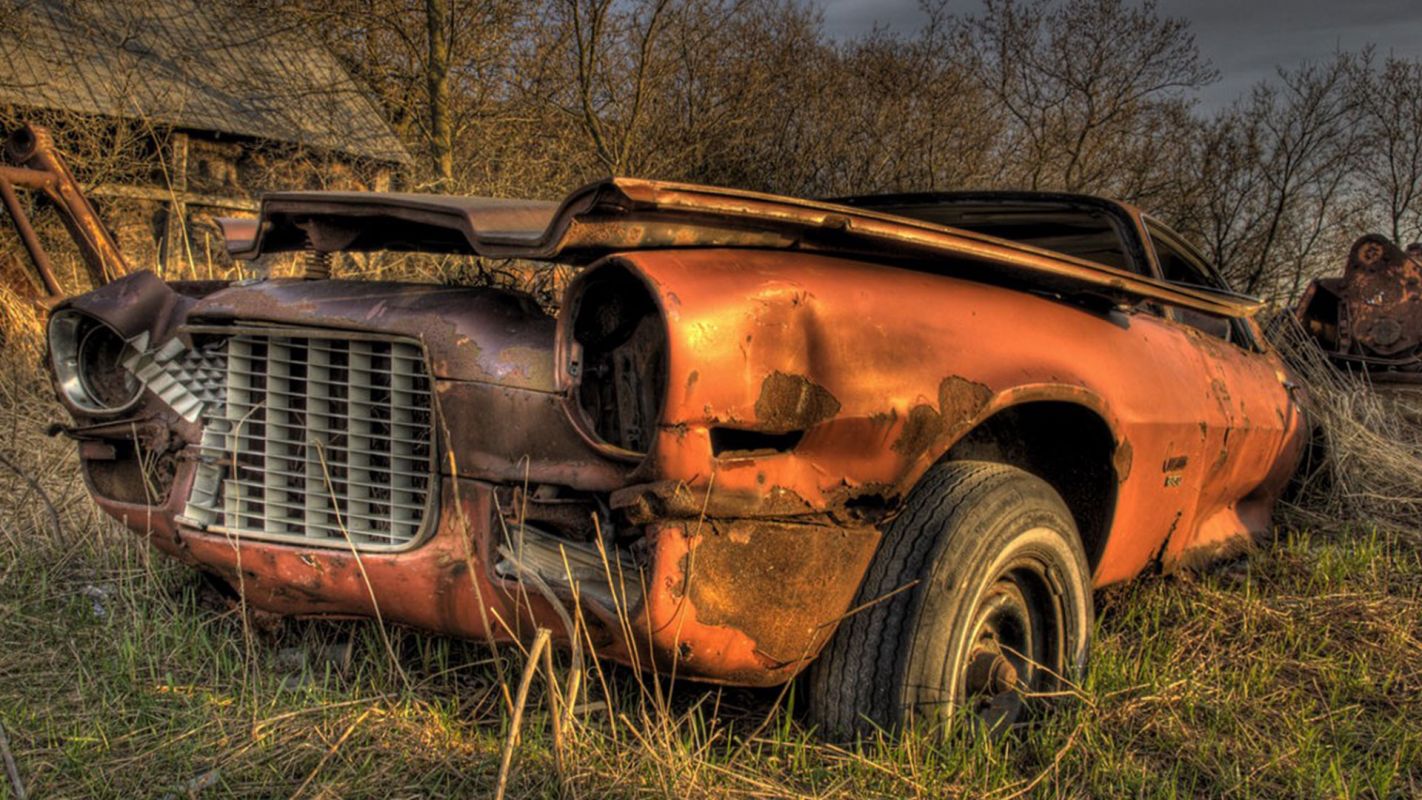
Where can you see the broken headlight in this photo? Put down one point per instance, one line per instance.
(87, 358)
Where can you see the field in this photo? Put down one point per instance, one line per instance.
(1296, 672)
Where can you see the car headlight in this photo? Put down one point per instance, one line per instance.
(87, 358)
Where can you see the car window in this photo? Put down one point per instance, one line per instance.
(1087, 233)
(1084, 234)
(1179, 265)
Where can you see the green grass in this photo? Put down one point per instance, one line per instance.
(1295, 673)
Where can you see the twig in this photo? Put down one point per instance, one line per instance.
(556, 702)
(540, 641)
(327, 757)
(10, 768)
(1056, 762)
(360, 566)
(34, 484)
(868, 604)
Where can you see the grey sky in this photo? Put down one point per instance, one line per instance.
(1244, 39)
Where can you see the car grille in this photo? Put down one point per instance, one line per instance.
(314, 438)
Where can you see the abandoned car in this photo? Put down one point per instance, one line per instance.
(895, 440)
(1366, 321)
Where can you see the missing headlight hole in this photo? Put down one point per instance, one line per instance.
(624, 345)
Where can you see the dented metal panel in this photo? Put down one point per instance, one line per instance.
(880, 397)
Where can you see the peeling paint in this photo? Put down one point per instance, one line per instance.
(960, 400)
(792, 402)
(1122, 461)
(923, 427)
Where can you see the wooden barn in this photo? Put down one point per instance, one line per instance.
(172, 112)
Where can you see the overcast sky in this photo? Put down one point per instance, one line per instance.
(1244, 39)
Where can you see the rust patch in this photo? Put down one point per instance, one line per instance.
(921, 429)
(1122, 461)
(651, 502)
(781, 584)
(1220, 391)
(535, 364)
(1156, 562)
(960, 400)
(959, 403)
(793, 402)
(1223, 457)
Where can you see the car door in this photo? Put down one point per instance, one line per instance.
(1253, 418)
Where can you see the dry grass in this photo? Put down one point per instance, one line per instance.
(1368, 463)
(1296, 673)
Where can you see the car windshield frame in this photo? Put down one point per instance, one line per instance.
(1135, 259)
(1178, 241)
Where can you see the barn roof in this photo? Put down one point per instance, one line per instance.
(188, 64)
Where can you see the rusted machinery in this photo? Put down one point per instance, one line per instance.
(34, 164)
(1370, 319)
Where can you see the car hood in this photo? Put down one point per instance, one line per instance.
(471, 333)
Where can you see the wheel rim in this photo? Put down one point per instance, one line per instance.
(1013, 648)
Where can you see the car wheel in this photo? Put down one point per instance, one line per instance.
(997, 609)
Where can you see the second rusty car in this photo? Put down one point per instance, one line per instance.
(895, 440)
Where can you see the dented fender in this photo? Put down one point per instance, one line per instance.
(877, 372)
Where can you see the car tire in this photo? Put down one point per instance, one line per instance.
(997, 609)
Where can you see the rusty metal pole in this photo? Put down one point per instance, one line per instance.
(32, 147)
(38, 257)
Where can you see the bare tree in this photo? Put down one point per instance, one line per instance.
(618, 69)
(1094, 96)
(1077, 78)
(438, 25)
(435, 68)
(1307, 143)
(1389, 100)
(1271, 179)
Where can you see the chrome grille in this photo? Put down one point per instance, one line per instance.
(318, 438)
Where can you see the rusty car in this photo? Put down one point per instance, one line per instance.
(1367, 320)
(892, 442)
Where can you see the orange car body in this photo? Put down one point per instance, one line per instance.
(793, 368)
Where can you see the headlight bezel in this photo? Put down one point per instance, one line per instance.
(85, 356)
